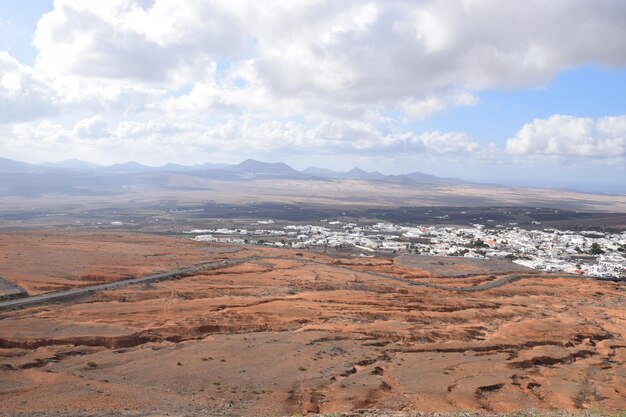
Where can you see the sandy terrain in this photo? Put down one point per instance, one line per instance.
(296, 332)
(336, 193)
(41, 262)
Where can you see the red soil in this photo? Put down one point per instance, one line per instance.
(284, 335)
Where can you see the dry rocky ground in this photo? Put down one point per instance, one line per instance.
(291, 332)
(48, 261)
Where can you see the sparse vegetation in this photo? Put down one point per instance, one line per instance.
(595, 249)
(479, 243)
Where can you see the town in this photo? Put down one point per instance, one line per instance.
(591, 253)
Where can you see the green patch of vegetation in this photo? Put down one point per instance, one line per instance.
(479, 243)
(595, 249)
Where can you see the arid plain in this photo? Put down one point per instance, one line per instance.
(281, 332)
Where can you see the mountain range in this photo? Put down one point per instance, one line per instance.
(248, 169)
(77, 177)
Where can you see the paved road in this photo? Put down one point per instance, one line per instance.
(79, 292)
(481, 287)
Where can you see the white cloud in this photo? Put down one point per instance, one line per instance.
(570, 136)
(22, 95)
(329, 58)
(196, 78)
(449, 142)
(93, 128)
(146, 41)
(424, 108)
(170, 140)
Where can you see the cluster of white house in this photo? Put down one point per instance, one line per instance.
(589, 253)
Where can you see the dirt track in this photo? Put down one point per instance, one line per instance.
(190, 270)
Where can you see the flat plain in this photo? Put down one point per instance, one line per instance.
(281, 332)
(340, 193)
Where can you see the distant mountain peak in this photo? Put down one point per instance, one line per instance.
(73, 165)
(11, 165)
(259, 167)
(130, 164)
(355, 173)
(360, 174)
(248, 169)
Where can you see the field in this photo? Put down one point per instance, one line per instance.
(332, 196)
(280, 332)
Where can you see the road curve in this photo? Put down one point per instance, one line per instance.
(79, 292)
(481, 287)
(177, 273)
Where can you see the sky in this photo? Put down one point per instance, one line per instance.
(523, 92)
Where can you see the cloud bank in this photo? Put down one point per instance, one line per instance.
(280, 76)
(565, 136)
